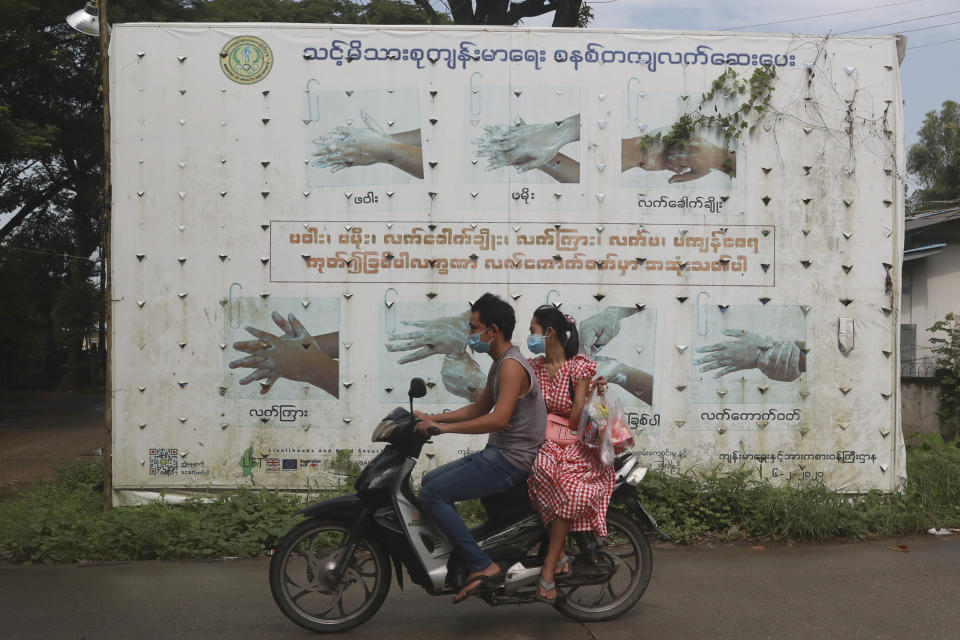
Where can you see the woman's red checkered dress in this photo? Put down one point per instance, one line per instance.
(569, 483)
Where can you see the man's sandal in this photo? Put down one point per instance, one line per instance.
(477, 583)
(547, 586)
(564, 560)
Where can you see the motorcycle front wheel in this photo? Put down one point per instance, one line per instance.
(302, 582)
(630, 550)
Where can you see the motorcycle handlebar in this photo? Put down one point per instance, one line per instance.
(431, 431)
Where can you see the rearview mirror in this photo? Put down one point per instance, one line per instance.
(418, 388)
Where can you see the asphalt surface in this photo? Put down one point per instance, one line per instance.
(898, 588)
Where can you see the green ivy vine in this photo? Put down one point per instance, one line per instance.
(754, 93)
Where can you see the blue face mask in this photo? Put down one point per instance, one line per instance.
(536, 344)
(475, 343)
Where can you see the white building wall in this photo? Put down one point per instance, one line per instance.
(931, 291)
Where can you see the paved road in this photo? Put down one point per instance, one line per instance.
(848, 590)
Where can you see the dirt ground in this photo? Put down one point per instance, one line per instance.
(39, 431)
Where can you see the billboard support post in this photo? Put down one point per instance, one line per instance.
(83, 22)
(105, 258)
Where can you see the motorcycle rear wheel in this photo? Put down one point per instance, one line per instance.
(595, 603)
(301, 583)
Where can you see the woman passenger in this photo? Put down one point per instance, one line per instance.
(569, 486)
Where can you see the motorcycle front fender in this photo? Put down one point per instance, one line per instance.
(626, 495)
(345, 508)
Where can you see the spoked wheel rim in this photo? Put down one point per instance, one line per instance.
(623, 546)
(306, 577)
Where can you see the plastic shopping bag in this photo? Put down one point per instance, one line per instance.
(620, 436)
(594, 427)
(593, 420)
(606, 448)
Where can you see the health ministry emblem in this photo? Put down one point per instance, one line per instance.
(246, 59)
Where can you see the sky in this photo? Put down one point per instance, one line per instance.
(929, 74)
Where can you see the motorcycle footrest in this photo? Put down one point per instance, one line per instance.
(496, 601)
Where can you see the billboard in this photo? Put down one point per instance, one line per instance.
(302, 214)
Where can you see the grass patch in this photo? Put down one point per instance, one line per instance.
(698, 505)
(63, 520)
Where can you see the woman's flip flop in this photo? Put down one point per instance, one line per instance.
(547, 586)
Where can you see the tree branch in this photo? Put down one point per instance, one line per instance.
(462, 11)
(568, 13)
(29, 207)
(529, 9)
(481, 12)
(428, 9)
(492, 12)
(11, 171)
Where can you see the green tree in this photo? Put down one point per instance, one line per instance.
(935, 160)
(50, 152)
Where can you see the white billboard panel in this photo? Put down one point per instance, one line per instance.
(302, 213)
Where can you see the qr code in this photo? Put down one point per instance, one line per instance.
(163, 462)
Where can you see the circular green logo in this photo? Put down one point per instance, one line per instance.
(246, 59)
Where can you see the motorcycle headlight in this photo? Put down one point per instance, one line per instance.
(635, 477)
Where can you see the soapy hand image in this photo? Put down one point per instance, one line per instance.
(687, 161)
(783, 361)
(435, 336)
(462, 376)
(634, 381)
(599, 329)
(595, 333)
(294, 355)
(697, 158)
(532, 146)
(526, 146)
(345, 147)
(446, 336)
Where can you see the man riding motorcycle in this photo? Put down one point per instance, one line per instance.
(511, 409)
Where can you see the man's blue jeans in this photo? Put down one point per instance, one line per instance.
(477, 475)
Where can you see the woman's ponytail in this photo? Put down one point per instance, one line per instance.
(572, 345)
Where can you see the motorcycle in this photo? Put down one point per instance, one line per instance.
(332, 571)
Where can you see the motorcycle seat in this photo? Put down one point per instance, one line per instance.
(503, 509)
(508, 506)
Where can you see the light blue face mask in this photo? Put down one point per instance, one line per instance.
(475, 343)
(536, 344)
